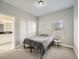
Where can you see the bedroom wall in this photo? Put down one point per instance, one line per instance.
(18, 15)
(46, 24)
(76, 27)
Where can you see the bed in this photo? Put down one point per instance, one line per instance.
(39, 42)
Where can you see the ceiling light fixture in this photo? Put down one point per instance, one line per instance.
(40, 3)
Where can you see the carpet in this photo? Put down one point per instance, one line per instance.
(52, 53)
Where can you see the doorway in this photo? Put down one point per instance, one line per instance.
(6, 33)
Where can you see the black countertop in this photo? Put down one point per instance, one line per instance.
(6, 32)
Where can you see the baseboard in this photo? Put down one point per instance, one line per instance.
(75, 51)
(69, 46)
(65, 45)
(18, 46)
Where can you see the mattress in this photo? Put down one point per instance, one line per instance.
(45, 40)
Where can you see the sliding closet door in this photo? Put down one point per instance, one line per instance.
(23, 27)
(27, 29)
(31, 28)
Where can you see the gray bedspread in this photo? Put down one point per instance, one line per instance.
(39, 42)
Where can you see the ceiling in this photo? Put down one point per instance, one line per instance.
(30, 7)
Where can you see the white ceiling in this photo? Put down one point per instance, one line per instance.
(51, 6)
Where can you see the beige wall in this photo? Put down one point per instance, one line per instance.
(46, 24)
(76, 27)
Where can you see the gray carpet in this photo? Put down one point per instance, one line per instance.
(52, 53)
